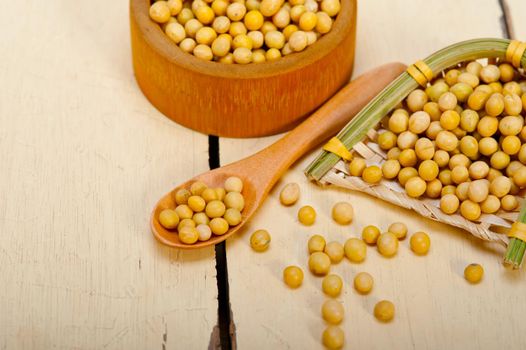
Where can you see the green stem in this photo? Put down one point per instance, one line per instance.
(519, 258)
(511, 252)
(515, 254)
(516, 248)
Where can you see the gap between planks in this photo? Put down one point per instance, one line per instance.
(225, 338)
(505, 20)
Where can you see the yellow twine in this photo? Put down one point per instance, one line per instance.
(511, 50)
(337, 147)
(518, 230)
(417, 75)
(517, 55)
(424, 68)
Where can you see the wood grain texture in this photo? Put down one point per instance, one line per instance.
(436, 308)
(240, 100)
(515, 17)
(83, 158)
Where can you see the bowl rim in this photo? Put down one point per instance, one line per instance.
(165, 47)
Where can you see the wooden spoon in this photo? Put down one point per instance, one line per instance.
(262, 170)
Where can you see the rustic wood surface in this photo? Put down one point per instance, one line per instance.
(84, 157)
(436, 308)
(515, 11)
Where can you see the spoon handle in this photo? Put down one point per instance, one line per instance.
(327, 121)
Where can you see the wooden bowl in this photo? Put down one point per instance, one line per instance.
(240, 100)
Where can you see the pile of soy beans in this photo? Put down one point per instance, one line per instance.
(201, 211)
(461, 140)
(323, 255)
(243, 32)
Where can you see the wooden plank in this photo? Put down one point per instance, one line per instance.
(436, 308)
(515, 10)
(410, 30)
(84, 158)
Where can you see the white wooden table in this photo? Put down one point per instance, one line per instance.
(84, 156)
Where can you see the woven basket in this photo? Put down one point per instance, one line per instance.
(490, 227)
(359, 137)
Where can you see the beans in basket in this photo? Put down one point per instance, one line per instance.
(462, 141)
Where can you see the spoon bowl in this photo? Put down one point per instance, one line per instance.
(214, 178)
(262, 170)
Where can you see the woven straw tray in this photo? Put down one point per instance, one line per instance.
(490, 227)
